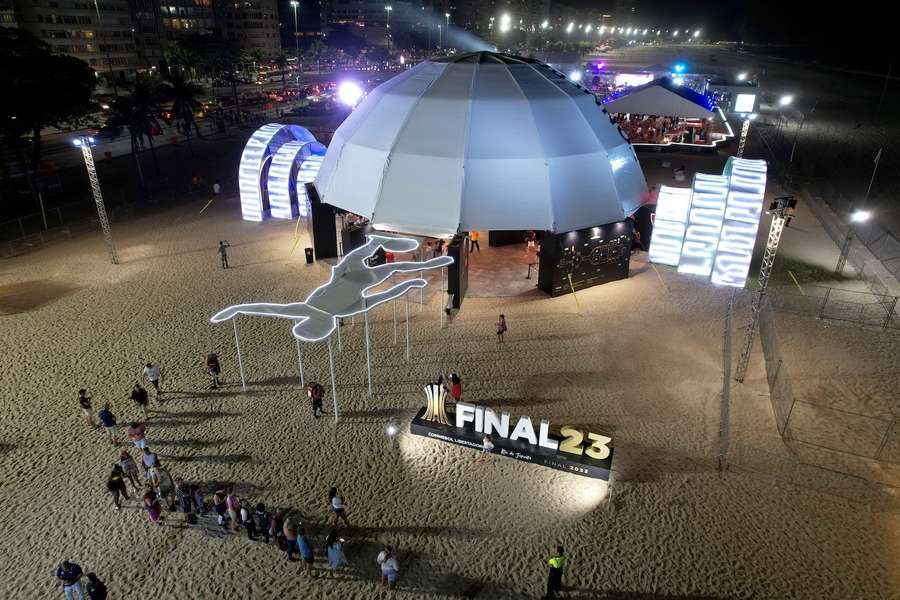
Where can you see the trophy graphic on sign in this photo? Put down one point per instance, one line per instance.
(435, 409)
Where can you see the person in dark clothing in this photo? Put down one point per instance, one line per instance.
(262, 521)
(316, 393)
(116, 485)
(95, 588)
(141, 398)
(556, 562)
(223, 252)
(70, 575)
(213, 368)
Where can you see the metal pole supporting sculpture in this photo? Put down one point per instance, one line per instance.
(345, 293)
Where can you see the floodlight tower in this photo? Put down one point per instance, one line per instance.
(85, 142)
(780, 210)
(745, 131)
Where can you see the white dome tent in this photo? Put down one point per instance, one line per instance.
(481, 141)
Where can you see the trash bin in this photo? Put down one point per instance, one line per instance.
(309, 255)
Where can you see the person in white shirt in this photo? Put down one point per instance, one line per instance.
(338, 508)
(389, 569)
(487, 446)
(151, 372)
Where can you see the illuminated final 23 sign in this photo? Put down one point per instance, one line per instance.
(573, 450)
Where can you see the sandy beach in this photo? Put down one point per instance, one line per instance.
(633, 359)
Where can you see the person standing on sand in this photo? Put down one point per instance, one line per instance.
(152, 373)
(197, 497)
(220, 508)
(487, 447)
(223, 252)
(70, 575)
(338, 508)
(306, 552)
(276, 527)
(84, 401)
(262, 521)
(95, 588)
(247, 519)
(335, 551)
(473, 238)
(151, 467)
(129, 468)
(233, 505)
(455, 387)
(152, 505)
(501, 328)
(141, 398)
(137, 434)
(389, 569)
(290, 537)
(109, 423)
(116, 486)
(556, 562)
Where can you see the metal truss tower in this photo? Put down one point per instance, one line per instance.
(88, 155)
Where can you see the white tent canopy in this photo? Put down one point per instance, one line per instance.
(481, 141)
(662, 97)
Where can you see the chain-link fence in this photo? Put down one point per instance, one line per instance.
(835, 450)
(861, 308)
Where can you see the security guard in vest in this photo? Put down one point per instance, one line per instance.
(557, 562)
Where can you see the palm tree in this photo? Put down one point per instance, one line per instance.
(183, 95)
(138, 113)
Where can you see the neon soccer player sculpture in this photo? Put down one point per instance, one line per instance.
(345, 293)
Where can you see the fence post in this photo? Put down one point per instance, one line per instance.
(890, 313)
(824, 302)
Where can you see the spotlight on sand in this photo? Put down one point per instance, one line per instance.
(391, 431)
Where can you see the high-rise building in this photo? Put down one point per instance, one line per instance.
(253, 24)
(99, 33)
(158, 24)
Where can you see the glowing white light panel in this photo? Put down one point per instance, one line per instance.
(306, 173)
(250, 169)
(744, 103)
(746, 191)
(672, 207)
(704, 224)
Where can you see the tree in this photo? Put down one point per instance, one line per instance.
(41, 90)
(183, 94)
(281, 61)
(138, 112)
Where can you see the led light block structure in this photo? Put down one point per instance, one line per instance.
(710, 228)
(277, 162)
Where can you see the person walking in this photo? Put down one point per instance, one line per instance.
(262, 521)
(199, 502)
(116, 486)
(487, 447)
(473, 238)
(95, 588)
(213, 369)
(137, 433)
(129, 468)
(389, 569)
(151, 467)
(70, 574)
(108, 419)
(152, 505)
(223, 252)
(501, 328)
(337, 506)
(316, 394)
(306, 552)
(152, 373)
(84, 401)
(290, 537)
(334, 549)
(276, 528)
(247, 519)
(183, 496)
(220, 508)
(141, 398)
(556, 562)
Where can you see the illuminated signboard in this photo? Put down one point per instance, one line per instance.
(746, 191)
(632, 79)
(744, 103)
(672, 207)
(715, 236)
(276, 163)
(572, 450)
(704, 224)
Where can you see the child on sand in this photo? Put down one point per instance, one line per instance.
(84, 401)
(338, 508)
(501, 328)
(487, 446)
(389, 569)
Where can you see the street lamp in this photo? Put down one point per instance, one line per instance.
(545, 24)
(505, 21)
(85, 143)
(389, 9)
(440, 37)
(570, 27)
(447, 15)
(785, 100)
(295, 4)
(697, 34)
(857, 216)
(741, 76)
